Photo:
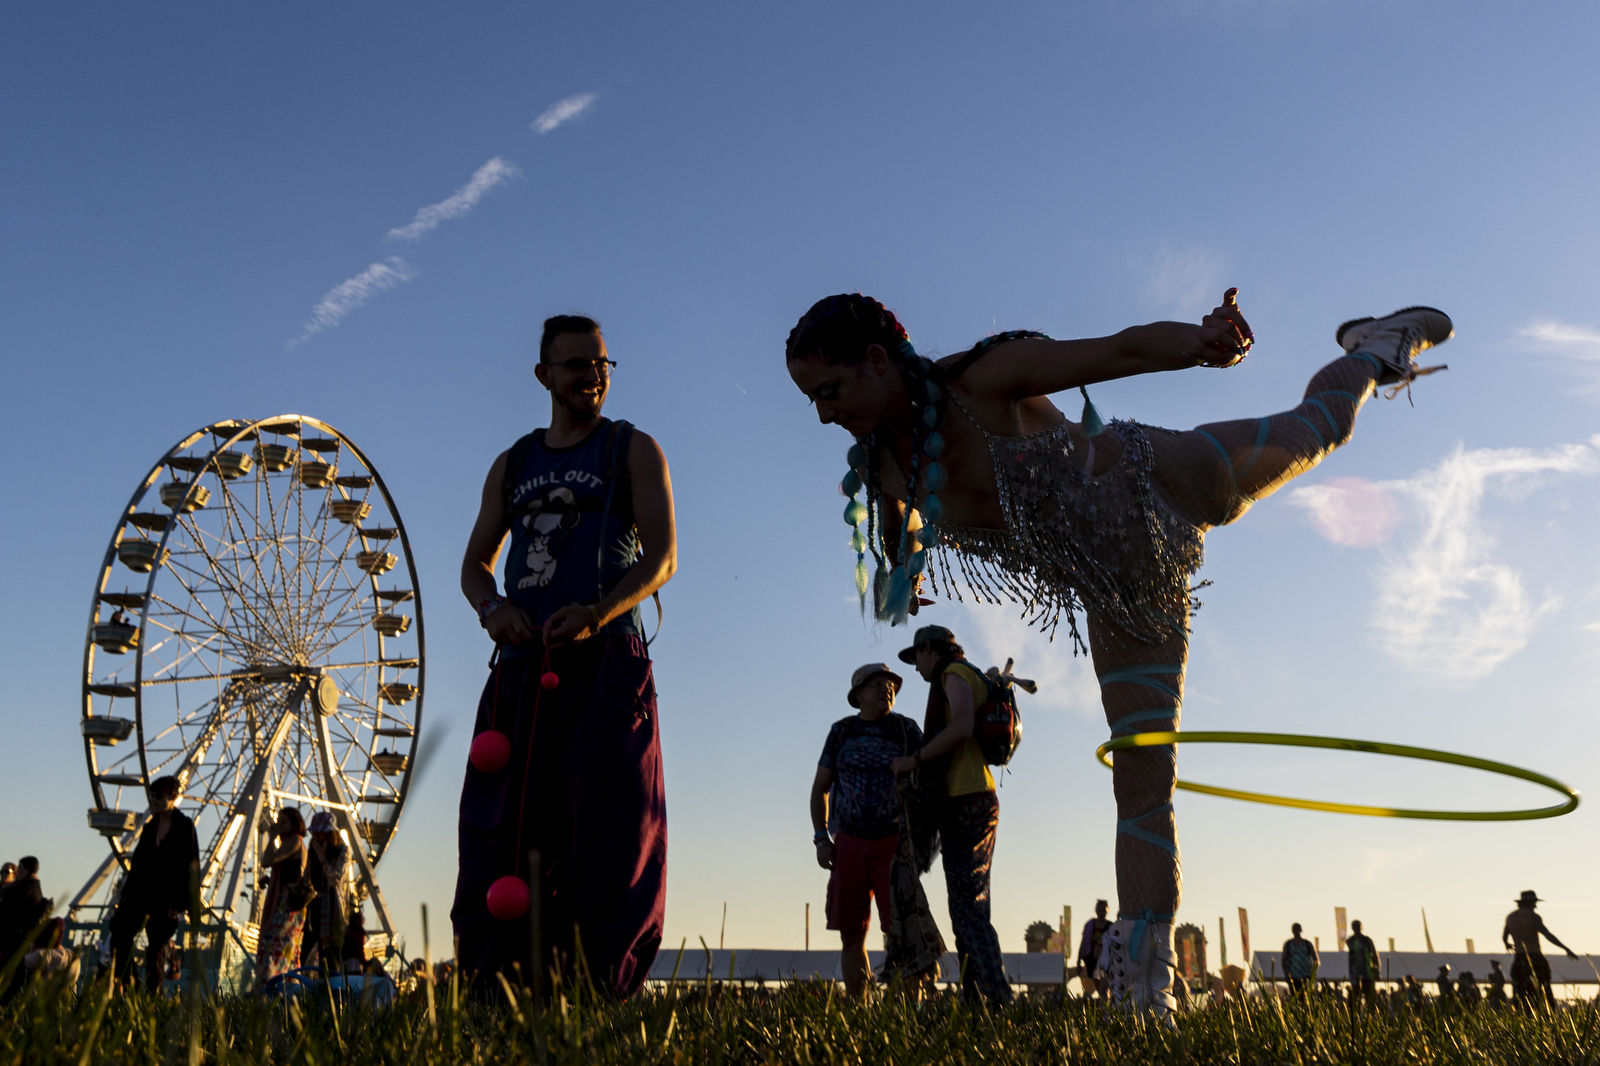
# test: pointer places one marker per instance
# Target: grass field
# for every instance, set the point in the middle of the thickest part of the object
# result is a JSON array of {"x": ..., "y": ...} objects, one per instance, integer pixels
[{"x": 798, "y": 1024}]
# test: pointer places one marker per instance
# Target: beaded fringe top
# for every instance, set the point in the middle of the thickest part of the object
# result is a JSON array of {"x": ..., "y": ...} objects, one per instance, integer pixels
[{"x": 1076, "y": 542}]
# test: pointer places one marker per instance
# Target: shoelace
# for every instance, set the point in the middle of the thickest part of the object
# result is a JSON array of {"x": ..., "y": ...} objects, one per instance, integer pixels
[{"x": 1413, "y": 374}]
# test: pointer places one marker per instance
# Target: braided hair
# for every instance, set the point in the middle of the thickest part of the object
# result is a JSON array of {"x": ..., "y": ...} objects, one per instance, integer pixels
[{"x": 839, "y": 330}]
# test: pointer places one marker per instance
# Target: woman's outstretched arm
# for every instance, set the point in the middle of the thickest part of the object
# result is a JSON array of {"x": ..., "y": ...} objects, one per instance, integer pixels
[{"x": 1032, "y": 367}]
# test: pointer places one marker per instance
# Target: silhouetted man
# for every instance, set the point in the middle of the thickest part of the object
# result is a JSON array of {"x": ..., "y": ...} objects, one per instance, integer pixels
[
  {"x": 1362, "y": 959},
  {"x": 587, "y": 505},
  {"x": 1530, "y": 970},
  {"x": 156, "y": 892},
  {"x": 1300, "y": 960}
]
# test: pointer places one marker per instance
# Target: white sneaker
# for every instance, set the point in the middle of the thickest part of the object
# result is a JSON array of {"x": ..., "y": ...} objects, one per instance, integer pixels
[
  {"x": 1140, "y": 973},
  {"x": 1396, "y": 340}
]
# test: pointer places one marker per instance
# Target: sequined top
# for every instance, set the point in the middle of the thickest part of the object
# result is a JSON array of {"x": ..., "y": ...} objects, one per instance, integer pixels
[{"x": 1073, "y": 541}]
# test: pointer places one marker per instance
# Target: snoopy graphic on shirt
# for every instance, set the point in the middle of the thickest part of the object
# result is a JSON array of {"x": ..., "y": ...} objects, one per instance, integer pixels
[{"x": 549, "y": 518}]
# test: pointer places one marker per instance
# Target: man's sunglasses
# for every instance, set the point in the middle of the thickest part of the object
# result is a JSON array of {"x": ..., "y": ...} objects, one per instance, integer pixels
[{"x": 603, "y": 367}]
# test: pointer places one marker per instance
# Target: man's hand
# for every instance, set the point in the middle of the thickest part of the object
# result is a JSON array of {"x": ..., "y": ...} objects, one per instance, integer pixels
[
  {"x": 1571, "y": 954},
  {"x": 1225, "y": 337},
  {"x": 825, "y": 854},
  {"x": 903, "y": 764},
  {"x": 572, "y": 623},
  {"x": 510, "y": 624}
]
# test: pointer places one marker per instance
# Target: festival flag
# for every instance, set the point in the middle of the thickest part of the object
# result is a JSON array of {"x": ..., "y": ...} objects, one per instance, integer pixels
[
  {"x": 1426, "y": 937},
  {"x": 1340, "y": 925},
  {"x": 1244, "y": 936},
  {"x": 1222, "y": 941}
]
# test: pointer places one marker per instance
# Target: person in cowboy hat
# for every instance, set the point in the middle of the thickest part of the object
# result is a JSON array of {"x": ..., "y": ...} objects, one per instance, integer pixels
[
  {"x": 969, "y": 816},
  {"x": 864, "y": 812},
  {"x": 1530, "y": 970}
]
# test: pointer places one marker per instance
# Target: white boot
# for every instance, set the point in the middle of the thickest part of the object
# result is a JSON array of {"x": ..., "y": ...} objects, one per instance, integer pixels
[
  {"x": 1396, "y": 340},
  {"x": 1138, "y": 960}
]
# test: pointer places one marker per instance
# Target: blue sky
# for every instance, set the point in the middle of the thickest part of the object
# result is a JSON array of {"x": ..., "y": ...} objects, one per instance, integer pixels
[{"x": 185, "y": 186}]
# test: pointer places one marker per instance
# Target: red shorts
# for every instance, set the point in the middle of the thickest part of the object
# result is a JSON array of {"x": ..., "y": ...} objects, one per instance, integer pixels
[{"x": 860, "y": 871}]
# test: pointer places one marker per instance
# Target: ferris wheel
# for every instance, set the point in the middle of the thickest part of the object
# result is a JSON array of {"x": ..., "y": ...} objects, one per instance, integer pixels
[{"x": 256, "y": 632}]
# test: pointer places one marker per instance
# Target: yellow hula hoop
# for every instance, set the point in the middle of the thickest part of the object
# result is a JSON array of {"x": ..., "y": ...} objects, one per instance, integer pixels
[{"x": 1297, "y": 740}]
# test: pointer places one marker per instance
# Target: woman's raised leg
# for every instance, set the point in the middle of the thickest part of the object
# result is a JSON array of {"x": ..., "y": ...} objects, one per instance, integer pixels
[{"x": 1214, "y": 472}]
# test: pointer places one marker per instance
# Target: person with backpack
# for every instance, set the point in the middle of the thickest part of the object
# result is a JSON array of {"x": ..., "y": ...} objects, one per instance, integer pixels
[
  {"x": 566, "y": 754},
  {"x": 968, "y": 809},
  {"x": 854, "y": 795}
]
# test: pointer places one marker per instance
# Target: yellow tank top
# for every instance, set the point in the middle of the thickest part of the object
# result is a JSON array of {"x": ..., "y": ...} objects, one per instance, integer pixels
[{"x": 968, "y": 772}]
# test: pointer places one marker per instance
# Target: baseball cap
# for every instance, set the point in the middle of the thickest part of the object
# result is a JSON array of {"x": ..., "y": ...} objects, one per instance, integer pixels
[{"x": 923, "y": 635}]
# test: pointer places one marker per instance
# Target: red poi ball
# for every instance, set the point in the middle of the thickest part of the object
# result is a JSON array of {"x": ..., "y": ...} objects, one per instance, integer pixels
[
  {"x": 490, "y": 751},
  {"x": 550, "y": 680},
  {"x": 508, "y": 898}
]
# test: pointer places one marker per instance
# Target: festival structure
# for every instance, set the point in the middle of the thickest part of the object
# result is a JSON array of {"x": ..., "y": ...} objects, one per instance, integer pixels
[{"x": 256, "y": 631}]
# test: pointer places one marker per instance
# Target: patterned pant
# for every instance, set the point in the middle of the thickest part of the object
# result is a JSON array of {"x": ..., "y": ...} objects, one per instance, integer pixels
[{"x": 967, "y": 834}]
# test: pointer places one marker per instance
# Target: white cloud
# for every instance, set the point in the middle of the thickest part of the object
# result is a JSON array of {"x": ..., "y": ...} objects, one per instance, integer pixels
[
  {"x": 1351, "y": 511},
  {"x": 495, "y": 172},
  {"x": 1446, "y": 608},
  {"x": 563, "y": 111},
  {"x": 353, "y": 292},
  {"x": 1578, "y": 344},
  {"x": 1185, "y": 282}
]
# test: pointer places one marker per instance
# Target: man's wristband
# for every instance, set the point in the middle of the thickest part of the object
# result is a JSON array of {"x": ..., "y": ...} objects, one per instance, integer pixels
[
  {"x": 487, "y": 606},
  {"x": 821, "y": 837},
  {"x": 595, "y": 615}
]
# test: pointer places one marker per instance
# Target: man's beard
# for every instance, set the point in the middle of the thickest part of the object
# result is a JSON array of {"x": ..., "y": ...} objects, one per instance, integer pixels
[{"x": 583, "y": 408}]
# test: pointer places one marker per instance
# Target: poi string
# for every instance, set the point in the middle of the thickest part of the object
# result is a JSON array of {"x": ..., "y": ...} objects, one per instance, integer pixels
[{"x": 1404, "y": 751}]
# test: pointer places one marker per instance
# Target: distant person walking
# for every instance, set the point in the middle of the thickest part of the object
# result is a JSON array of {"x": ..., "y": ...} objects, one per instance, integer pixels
[
  {"x": 864, "y": 812},
  {"x": 970, "y": 811},
  {"x": 1467, "y": 990},
  {"x": 1496, "y": 996},
  {"x": 157, "y": 892},
  {"x": 1362, "y": 961},
  {"x": 1530, "y": 970},
  {"x": 587, "y": 506},
  {"x": 1091, "y": 945},
  {"x": 283, "y": 911},
  {"x": 1300, "y": 961},
  {"x": 1446, "y": 986}
]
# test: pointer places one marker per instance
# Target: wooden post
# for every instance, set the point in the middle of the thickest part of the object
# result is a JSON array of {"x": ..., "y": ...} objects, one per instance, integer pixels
[
  {"x": 722, "y": 937},
  {"x": 808, "y": 927}
]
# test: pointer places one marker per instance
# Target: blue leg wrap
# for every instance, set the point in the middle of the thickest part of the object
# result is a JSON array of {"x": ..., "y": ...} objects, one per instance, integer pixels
[{"x": 1140, "y": 920}]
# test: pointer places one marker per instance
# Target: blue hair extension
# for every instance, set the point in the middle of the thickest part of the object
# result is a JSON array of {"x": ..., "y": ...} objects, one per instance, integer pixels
[{"x": 1093, "y": 424}]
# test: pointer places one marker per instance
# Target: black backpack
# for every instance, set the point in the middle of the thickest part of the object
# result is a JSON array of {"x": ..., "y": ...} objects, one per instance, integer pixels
[{"x": 998, "y": 728}]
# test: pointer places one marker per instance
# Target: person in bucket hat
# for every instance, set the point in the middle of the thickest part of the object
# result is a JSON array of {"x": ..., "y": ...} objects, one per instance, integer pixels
[
  {"x": 853, "y": 795},
  {"x": 1530, "y": 970},
  {"x": 969, "y": 811}
]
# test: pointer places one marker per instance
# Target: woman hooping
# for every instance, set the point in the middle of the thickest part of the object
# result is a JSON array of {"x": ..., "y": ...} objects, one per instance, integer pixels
[{"x": 1011, "y": 501}]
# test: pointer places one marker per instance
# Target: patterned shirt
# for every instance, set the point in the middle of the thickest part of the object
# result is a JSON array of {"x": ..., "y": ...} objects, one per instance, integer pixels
[
  {"x": 858, "y": 752},
  {"x": 1299, "y": 958}
]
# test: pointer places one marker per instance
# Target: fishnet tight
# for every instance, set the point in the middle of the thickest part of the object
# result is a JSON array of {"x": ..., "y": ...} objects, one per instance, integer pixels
[{"x": 1142, "y": 680}]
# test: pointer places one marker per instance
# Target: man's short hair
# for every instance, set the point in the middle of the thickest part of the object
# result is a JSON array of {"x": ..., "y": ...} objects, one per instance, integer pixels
[
  {"x": 29, "y": 863},
  {"x": 556, "y": 325},
  {"x": 1295, "y": 928},
  {"x": 166, "y": 786}
]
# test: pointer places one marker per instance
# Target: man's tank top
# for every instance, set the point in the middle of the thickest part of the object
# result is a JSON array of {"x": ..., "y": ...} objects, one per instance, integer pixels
[{"x": 568, "y": 543}]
